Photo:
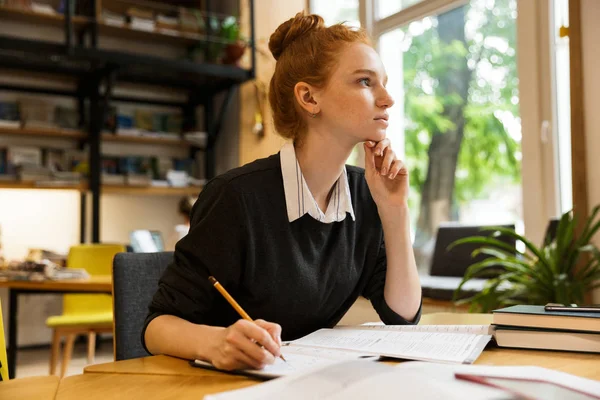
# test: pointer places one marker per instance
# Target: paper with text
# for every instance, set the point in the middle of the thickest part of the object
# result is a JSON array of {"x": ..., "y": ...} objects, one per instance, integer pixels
[
  {"x": 459, "y": 348},
  {"x": 299, "y": 359}
]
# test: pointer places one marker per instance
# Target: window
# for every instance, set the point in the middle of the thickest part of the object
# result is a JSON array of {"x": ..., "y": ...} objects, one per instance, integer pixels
[
  {"x": 336, "y": 11},
  {"x": 385, "y": 8},
  {"x": 455, "y": 77},
  {"x": 453, "y": 71},
  {"x": 562, "y": 104}
]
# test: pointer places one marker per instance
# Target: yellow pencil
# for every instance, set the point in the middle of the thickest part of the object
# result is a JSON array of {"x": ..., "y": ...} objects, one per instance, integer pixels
[{"x": 233, "y": 303}]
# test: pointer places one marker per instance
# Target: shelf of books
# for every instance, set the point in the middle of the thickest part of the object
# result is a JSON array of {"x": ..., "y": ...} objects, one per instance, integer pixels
[
  {"x": 108, "y": 137},
  {"x": 81, "y": 187},
  {"x": 151, "y": 190},
  {"x": 106, "y": 189},
  {"x": 39, "y": 14},
  {"x": 43, "y": 132}
]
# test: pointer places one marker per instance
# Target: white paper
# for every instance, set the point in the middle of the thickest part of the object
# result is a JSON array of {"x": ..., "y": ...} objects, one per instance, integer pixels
[
  {"x": 363, "y": 380},
  {"x": 300, "y": 359},
  {"x": 425, "y": 346},
  {"x": 359, "y": 380},
  {"x": 475, "y": 329}
]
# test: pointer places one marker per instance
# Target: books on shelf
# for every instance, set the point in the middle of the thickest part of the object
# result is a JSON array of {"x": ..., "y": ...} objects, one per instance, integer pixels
[
  {"x": 531, "y": 327},
  {"x": 10, "y": 116},
  {"x": 113, "y": 19}
]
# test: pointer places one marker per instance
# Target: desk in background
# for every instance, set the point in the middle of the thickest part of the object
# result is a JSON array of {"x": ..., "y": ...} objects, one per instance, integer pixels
[{"x": 96, "y": 284}]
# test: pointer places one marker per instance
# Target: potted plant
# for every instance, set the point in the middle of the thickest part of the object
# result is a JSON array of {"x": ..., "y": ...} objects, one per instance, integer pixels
[
  {"x": 561, "y": 270},
  {"x": 235, "y": 44}
]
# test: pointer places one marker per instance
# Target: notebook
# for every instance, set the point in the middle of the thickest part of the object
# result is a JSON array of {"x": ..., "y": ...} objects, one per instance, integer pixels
[
  {"x": 455, "y": 344},
  {"x": 547, "y": 339},
  {"x": 537, "y": 317}
]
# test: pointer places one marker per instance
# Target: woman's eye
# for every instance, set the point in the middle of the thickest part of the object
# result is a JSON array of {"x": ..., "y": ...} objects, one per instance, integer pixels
[{"x": 365, "y": 81}]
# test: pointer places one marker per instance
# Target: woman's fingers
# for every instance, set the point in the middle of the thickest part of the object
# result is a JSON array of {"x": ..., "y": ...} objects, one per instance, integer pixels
[
  {"x": 249, "y": 342},
  {"x": 388, "y": 158},
  {"x": 396, "y": 168},
  {"x": 273, "y": 329},
  {"x": 381, "y": 146}
]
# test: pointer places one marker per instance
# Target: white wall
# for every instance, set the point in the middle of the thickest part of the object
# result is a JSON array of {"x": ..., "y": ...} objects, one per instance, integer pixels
[{"x": 590, "y": 32}]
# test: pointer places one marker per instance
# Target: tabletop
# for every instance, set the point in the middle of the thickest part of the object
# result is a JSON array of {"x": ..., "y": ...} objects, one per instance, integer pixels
[{"x": 33, "y": 388}]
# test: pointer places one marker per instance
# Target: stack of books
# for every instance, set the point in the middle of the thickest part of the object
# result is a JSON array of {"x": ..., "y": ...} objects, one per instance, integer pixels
[
  {"x": 531, "y": 327},
  {"x": 10, "y": 116},
  {"x": 140, "y": 19}
]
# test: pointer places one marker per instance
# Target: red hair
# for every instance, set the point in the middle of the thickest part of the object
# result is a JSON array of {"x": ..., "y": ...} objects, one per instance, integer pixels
[{"x": 306, "y": 51}]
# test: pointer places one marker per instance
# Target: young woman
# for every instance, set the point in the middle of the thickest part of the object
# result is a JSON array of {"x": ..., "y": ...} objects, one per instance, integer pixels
[{"x": 298, "y": 236}]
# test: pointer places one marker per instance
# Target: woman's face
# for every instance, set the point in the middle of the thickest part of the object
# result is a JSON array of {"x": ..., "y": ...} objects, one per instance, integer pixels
[{"x": 353, "y": 104}]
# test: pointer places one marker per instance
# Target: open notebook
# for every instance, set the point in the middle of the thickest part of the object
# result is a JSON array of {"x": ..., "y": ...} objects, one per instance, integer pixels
[{"x": 454, "y": 344}]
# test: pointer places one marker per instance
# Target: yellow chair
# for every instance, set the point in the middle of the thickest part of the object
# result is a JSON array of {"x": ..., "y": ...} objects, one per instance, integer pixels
[
  {"x": 84, "y": 313},
  {"x": 3, "y": 358}
]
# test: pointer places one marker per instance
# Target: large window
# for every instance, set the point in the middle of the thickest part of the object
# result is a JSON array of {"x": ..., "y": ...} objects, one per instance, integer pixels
[{"x": 457, "y": 119}]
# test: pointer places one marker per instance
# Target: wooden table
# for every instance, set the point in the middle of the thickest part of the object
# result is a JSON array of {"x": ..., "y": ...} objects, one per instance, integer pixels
[
  {"x": 149, "y": 373},
  {"x": 34, "y": 388},
  {"x": 96, "y": 284},
  {"x": 146, "y": 387}
]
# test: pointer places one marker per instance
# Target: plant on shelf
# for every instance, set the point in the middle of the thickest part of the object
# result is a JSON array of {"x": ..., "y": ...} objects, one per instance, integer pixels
[
  {"x": 236, "y": 45},
  {"x": 225, "y": 44},
  {"x": 562, "y": 270}
]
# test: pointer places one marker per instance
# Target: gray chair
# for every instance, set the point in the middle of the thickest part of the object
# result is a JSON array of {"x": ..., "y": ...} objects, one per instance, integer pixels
[{"x": 135, "y": 280}]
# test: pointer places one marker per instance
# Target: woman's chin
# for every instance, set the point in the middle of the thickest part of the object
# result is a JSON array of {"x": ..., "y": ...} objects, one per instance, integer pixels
[{"x": 377, "y": 136}]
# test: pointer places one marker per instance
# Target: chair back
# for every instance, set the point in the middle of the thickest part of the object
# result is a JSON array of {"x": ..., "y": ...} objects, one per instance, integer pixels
[
  {"x": 3, "y": 358},
  {"x": 135, "y": 280},
  {"x": 456, "y": 261},
  {"x": 96, "y": 259}
]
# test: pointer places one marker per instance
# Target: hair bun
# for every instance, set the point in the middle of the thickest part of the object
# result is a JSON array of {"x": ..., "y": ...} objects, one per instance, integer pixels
[{"x": 291, "y": 30}]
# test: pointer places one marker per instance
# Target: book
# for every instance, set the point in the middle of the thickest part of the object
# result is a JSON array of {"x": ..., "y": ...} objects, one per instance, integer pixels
[
  {"x": 357, "y": 379},
  {"x": 537, "y": 317},
  {"x": 455, "y": 344},
  {"x": 547, "y": 339}
]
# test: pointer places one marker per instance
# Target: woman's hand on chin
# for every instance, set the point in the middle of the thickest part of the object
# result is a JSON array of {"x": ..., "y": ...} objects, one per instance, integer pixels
[{"x": 387, "y": 176}]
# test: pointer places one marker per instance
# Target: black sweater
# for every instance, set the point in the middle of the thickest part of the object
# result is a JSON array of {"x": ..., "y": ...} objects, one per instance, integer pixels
[{"x": 303, "y": 275}]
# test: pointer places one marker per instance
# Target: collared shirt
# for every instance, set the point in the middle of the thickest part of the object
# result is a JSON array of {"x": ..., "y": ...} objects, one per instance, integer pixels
[{"x": 298, "y": 198}]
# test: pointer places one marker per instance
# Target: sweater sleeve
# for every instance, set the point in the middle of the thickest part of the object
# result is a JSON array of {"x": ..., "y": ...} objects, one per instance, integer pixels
[
  {"x": 214, "y": 246},
  {"x": 374, "y": 292}
]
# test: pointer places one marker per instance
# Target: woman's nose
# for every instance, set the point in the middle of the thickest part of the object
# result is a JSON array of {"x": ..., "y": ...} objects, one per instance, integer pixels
[{"x": 385, "y": 100}]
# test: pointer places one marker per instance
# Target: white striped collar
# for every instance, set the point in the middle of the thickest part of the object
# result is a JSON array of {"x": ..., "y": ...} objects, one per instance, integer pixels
[{"x": 298, "y": 198}]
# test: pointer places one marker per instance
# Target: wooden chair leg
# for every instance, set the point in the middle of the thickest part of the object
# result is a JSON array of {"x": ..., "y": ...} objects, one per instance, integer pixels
[
  {"x": 67, "y": 353},
  {"x": 54, "y": 350},
  {"x": 91, "y": 347}
]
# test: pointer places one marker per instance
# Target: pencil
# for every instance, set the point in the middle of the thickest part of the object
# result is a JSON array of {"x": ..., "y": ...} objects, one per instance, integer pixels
[{"x": 233, "y": 303}]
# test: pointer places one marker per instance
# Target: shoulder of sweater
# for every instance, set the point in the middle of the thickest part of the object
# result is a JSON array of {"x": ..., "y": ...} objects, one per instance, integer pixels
[{"x": 247, "y": 175}]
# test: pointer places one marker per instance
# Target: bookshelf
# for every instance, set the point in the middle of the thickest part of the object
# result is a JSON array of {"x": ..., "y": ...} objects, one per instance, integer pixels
[
  {"x": 108, "y": 189},
  {"x": 109, "y": 137},
  {"x": 20, "y": 15},
  {"x": 98, "y": 70},
  {"x": 81, "y": 187},
  {"x": 151, "y": 191},
  {"x": 43, "y": 132}
]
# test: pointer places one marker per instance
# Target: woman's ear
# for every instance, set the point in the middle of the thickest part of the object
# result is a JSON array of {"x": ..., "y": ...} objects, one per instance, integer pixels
[{"x": 305, "y": 96}]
